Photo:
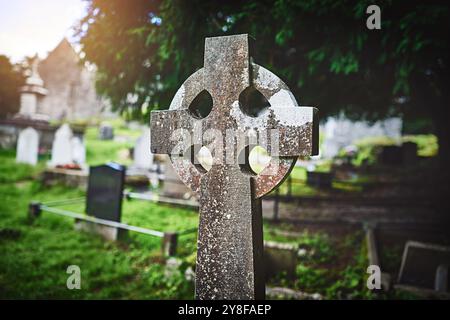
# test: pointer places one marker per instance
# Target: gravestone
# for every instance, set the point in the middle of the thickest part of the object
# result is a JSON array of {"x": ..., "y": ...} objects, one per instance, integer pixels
[
  {"x": 143, "y": 159},
  {"x": 319, "y": 179},
  {"x": 172, "y": 186},
  {"x": 421, "y": 263},
  {"x": 28, "y": 146},
  {"x": 392, "y": 155},
  {"x": 399, "y": 155},
  {"x": 230, "y": 238},
  {"x": 78, "y": 151},
  {"x": 280, "y": 258},
  {"x": 409, "y": 153},
  {"x": 104, "y": 199},
  {"x": 106, "y": 132},
  {"x": 340, "y": 132},
  {"x": 62, "y": 146}
]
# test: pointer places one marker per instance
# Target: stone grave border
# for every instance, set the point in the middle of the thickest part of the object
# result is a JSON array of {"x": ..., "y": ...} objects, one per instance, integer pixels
[{"x": 169, "y": 239}]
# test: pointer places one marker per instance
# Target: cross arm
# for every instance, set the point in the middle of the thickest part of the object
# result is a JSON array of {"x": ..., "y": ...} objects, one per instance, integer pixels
[
  {"x": 172, "y": 131},
  {"x": 295, "y": 128}
]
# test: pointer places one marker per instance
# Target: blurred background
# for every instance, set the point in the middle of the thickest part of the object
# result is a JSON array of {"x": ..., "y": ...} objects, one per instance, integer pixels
[{"x": 79, "y": 78}]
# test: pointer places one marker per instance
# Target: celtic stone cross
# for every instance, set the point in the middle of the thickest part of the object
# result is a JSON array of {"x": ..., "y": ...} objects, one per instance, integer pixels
[{"x": 230, "y": 236}]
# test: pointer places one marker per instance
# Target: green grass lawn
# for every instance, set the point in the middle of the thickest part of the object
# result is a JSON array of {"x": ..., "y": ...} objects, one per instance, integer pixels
[{"x": 34, "y": 256}]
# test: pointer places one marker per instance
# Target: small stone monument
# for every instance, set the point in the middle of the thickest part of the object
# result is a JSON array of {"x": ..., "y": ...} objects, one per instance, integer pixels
[
  {"x": 32, "y": 92},
  {"x": 28, "y": 146},
  {"x": 78, "y": 151},
  {"x": 230, "y": 236},
  {"x": 106, "y": 132},
  {"x": 172, "y": 186},
  {"x": 62, "y": 146},
  {"x": 143, "y": 159}
]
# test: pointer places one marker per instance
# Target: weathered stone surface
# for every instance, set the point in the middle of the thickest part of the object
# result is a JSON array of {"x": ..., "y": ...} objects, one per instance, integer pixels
[{"x": 230, "y": 244}]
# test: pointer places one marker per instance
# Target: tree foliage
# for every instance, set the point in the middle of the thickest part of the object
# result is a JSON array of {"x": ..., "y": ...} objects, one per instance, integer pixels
[
  {"x": 322, "y": 49},
  {"x": 11, "y": 80}
]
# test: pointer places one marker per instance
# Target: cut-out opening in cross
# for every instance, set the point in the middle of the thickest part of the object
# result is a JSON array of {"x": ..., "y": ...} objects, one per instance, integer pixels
[
  {"x": 247, "y": 158},
  {"x": 252, "y": 102}
]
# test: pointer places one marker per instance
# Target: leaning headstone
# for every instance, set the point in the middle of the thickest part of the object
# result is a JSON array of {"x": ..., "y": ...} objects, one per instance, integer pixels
[
  {"x": 62, "y": 146},
  {"x": 409, "y": 153},
  {"x": 142, "y": 157},
  {"x": 280, "y": 258},
  {"x": 78, "y": 151},
  {"x": 230, "y": 238},
  {"x": 104, "y": 199},
  {"x": 420, "y": 264},
  {"x": 28, "y": 146},
  {"x": 319, "y": 179},
  {"x": 106, "y": 132}
]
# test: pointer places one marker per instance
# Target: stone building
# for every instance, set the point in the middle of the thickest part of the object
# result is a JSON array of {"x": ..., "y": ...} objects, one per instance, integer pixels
[
  {"x": 70, "y": 86},
  {"x": 57, "y": 88}
]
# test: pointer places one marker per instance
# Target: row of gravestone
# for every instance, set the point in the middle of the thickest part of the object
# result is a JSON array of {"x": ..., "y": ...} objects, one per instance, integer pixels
[
  {"x": 66, "y": 148},
  {"x": 70, "y": 149}
]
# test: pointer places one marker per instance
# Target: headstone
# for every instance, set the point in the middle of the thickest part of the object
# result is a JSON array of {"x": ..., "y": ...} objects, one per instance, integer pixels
[
  {"x": 340, "y": 132},
  {"x": 142, "y": 157},
  {"x": 106, "y": 132},
  {"x": 78, "y": 151},
  {"x": 28, "y": 146},
  {"x": 230, "y": 240},
  {"x": 62, "y": 146},
  {"x": 420, "y": 264},
  {"x": 105, "y": 191},
  {"x": 392, "y": 155},
  {"x": 172, "y": 186},
  {"x": 104, "y": 199},
  {"x": 319, "y": 179},
  {"x": 409, "y": 152},
  {"x": 280, "y": 258}
]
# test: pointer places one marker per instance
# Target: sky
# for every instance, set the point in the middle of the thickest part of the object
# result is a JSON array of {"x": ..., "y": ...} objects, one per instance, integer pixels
[{"x": 28, "y": 27}]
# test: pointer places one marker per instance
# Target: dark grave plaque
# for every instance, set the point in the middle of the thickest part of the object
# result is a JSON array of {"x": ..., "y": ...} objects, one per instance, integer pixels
[
  {"x": 420, "y": 264},
  {"x": 392, "y": 155},
  {"x": 105, "y": 191},
  {"x": 319, "y": 179}
]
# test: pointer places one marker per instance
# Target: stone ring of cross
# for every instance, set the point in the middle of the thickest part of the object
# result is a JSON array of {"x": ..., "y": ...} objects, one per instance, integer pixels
[
  {"x": 230, "y": 244},
  {"x": 295, "y": 125}
]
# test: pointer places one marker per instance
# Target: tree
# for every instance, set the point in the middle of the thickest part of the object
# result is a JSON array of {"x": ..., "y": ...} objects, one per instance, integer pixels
[
  {"x": 11, "y": 80},
  {"x": 321, "y": 48}
]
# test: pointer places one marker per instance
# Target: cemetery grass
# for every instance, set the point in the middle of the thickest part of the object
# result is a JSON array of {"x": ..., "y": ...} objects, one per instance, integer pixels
[{"x": 34, "y": 256}]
